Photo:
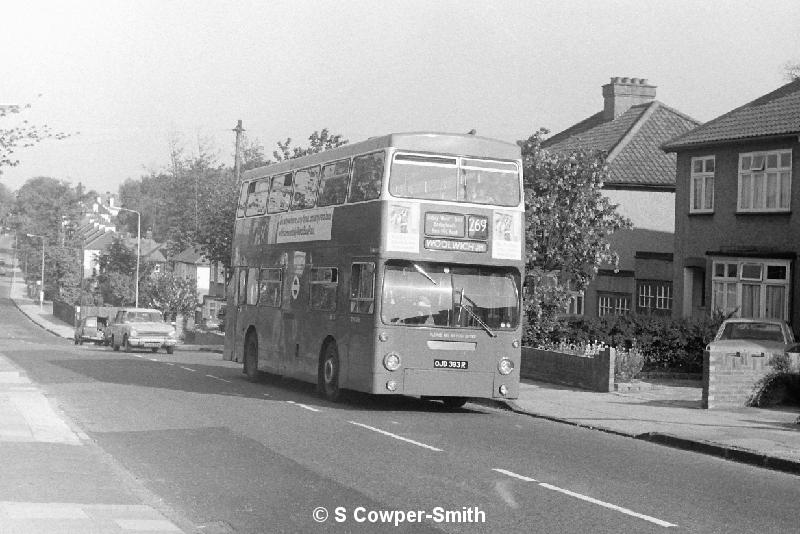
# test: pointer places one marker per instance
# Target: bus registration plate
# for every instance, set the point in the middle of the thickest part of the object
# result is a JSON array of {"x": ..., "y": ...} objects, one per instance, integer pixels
[{"x": 450, "y": 364}]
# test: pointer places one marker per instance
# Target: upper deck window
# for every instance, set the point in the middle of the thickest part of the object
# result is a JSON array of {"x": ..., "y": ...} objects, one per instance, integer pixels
[
  {"x": 305, "y": 188},
  {"x": 455, "y": 179},
  {"x": 280, "y": 194},
  {"x": 367, "y": 177},
  {"x": 257, "y": 197},
  {"x": 333, "y": 183}
]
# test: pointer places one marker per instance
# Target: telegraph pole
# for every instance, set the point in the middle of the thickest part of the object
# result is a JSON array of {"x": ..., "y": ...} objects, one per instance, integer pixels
[{"x": 237, "y": 159}]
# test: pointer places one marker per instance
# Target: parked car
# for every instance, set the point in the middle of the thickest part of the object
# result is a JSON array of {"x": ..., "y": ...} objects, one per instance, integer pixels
[
  {"x": 142, "y": 328},
  {"x": 753, "y": 336},
  {"x": 90, "y": 328}
]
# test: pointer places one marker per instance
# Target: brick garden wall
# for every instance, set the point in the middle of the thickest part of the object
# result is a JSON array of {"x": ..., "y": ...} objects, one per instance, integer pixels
[
  {"x": 595, "y": 373},
  {"x": 729, "y": 378}
]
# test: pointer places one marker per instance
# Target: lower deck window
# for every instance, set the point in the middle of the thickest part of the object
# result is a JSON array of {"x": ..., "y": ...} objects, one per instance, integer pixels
[{"x": 324, "y": 283}]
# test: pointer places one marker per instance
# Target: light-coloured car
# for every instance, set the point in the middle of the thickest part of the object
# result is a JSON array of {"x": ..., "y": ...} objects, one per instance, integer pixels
[
  {"x": 142, "y": 328},
  {"x": 753, "y": 336}
]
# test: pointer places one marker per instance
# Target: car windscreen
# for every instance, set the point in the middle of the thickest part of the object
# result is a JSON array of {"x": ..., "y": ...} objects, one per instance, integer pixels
[
  {"x": 754, "y": 331},
  {"x": 144, "y": 317},
  {"x": 91, "y": 322}
]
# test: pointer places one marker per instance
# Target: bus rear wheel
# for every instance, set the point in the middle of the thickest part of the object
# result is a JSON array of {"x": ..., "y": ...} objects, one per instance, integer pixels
[
  {"x": 454, "y": 402},
  {"x": 251, "y": 357},
  {"x": 328, "y": 380}
]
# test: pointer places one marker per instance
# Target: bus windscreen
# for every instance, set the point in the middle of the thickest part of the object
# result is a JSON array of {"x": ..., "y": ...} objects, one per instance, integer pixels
[
  {"x": 455, "y": 179},
  {"x": 431, "y": 294}
]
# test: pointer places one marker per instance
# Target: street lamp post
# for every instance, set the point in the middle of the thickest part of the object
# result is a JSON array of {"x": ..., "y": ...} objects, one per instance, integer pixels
[
  {"x": 41, "y": 290},
  {"x": 138, "y": 245}
]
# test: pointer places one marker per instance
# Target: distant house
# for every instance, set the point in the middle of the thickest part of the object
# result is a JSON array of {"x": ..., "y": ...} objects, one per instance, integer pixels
[
  {"x": 191, "y": 263},
  {"x": 630, "y": 130},
  {"x": 738, "y": 211}
]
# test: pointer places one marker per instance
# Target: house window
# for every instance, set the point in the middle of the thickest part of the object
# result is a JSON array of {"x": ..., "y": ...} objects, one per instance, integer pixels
[
  {"x": 654, "y": 297},
  {"x": 613, "y": 304},
  {"x": 362, "y": 287},
  {"x": 574, "y": 303},
  {"x": 269, "y": 287},
  {"x": 701, "y": 195},
  {"x": 324, "y": 281},
  {"x": 765, "y": 181},
  {"x": 751, "y": 288}
]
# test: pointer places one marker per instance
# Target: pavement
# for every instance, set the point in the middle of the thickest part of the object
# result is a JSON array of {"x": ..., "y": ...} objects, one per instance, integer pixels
[{"x": 667, "y": 412}]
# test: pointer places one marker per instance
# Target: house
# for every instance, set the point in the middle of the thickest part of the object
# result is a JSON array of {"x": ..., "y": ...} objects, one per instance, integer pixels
[
  {"x": 191, "y": 263},
  {"x": 737, "y": 208},
  {"x": 630, "y": 130}
]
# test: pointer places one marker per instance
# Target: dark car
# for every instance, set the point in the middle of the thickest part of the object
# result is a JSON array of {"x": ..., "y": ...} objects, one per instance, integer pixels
[{"x": 91, "y": 329}]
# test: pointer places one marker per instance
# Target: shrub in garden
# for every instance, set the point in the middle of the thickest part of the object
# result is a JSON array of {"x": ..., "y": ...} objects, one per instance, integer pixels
[
  {"x": 665, "y": 344},
  {"x": 780, "y": 386}
]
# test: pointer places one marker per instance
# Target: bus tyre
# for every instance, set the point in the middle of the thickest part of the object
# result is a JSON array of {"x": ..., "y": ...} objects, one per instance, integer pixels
[
  {"x": 329, "y": 373},
  {"x": 454, "y": 402},
  {"x": 250, "y": 357}
]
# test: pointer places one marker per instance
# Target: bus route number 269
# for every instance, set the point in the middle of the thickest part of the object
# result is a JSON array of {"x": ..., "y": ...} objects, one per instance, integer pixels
[{"x": 450, "y": 364}]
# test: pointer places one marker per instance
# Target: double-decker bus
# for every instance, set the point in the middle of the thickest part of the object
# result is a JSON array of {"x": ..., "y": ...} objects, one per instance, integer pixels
[{"x": 389, "y": 266}]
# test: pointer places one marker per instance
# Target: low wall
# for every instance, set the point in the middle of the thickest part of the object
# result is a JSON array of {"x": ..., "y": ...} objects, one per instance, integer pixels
[
  {"x": 193, "y": 337},
  {"x": 595, "y": 373},
  {"x": 729, "y": 378}
]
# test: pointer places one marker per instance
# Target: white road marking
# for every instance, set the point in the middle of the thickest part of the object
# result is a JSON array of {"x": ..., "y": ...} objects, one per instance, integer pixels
[
  {"x": 153, "y": 359},
  {"x": 395, "y": 436},
  {"x": 307, "y": 407},
  {"x": 592, "y": 500},
  {"x": 218, "y": 378},
  {"x": 514, "y": 475},
  {"x": 186, "y": 368},
  {"x": 266, "y": 394},
  {"x": 167, "y": 363}
]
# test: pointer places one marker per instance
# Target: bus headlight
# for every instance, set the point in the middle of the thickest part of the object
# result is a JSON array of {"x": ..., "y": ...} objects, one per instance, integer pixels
[
  {"x": 515, "y": 343},
  {"x": 391, "y": 385},
  {"x": 503, "y": 390},
  {"x": 391, "y": 361},
  {"x": 505, "y": 366}
]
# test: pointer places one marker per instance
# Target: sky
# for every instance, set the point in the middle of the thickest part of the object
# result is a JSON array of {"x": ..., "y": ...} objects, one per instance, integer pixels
[{"x": 128, "y": 78}]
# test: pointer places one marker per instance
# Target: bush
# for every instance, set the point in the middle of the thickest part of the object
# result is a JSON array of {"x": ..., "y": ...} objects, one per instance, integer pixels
[
  {"x": 628, "y": 364},
  {"x": 665, "y": 344}
]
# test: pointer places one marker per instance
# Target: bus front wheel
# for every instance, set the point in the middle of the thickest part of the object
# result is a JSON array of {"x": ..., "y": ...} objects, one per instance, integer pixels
[
  {"x": 251, "y": 357},
  {"x": 329, "y": 373}
]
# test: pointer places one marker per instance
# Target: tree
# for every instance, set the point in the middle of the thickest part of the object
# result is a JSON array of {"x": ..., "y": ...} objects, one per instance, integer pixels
[
  {"x": 172, "y": 294},
  {"x": 317, "y": 142},
  {"x": 792, "y": 70},
  {"x": 215, "y": 234},
  {"x": 21, "y": 135},
  {"x": 568, "y": 223}
]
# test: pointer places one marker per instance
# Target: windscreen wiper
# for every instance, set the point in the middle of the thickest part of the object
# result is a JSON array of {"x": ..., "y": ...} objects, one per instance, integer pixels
[
  {"x": 473, "y": 314},
  {"x": 421, "y": 271}
]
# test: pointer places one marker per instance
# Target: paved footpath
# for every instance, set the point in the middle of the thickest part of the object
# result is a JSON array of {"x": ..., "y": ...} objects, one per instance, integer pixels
[{"x": 53, "y": 478}]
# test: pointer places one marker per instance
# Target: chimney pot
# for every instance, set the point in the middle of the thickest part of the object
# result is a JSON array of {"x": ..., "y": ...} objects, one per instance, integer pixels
[{"x": 624, "y": 92}]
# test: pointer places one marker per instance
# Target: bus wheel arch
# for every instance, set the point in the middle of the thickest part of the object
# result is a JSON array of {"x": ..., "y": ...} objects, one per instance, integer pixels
[
  {"x": 251, "y": 354},
  {"x": 329, "y": 371}
]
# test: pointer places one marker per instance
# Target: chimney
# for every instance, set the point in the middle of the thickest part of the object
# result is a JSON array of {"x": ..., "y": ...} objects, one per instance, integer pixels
[{"x": 622, "y": 93}]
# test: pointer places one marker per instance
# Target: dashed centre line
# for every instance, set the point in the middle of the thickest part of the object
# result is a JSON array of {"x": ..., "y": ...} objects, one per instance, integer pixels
[
  {"x": 306, "y": 406},
  {"x": 586, "y": 498},
  {"x": 218, "y": 378},
  {"x": 395, "y": 436},
  {"x": 187, "y": 368}
]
